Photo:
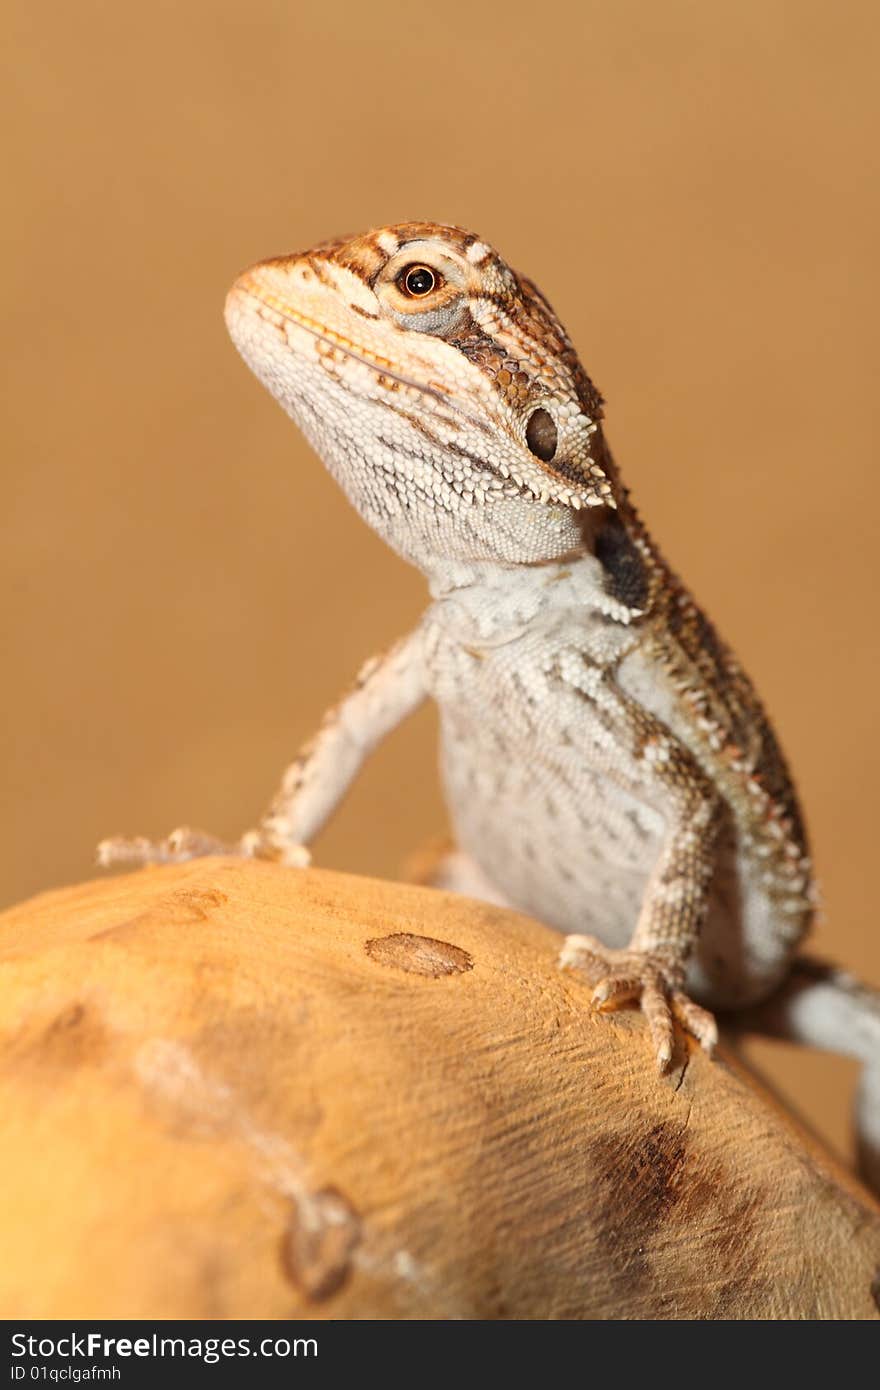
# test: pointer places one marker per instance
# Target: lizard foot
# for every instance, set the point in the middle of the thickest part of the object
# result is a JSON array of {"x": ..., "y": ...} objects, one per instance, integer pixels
[
  {"x": 184, "y": 843},
  {"x": 622, "y": 976}
]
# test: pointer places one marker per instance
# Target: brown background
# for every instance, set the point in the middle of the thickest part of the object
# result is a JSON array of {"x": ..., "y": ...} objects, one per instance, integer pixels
[{"x": 183, "y": 590}]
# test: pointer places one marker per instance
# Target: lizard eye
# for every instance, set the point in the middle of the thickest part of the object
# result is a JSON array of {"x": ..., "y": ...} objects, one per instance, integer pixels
[
  {"x": 541, "y": 435},
  {"x": 415, "y": 281}
]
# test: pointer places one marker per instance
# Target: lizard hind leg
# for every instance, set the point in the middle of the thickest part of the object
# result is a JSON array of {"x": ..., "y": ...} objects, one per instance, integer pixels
[{"x": 825, "y": 1007}]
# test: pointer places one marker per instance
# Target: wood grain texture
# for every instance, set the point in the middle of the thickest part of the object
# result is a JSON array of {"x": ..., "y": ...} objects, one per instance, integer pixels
[{"x": 234, "y": 1090}]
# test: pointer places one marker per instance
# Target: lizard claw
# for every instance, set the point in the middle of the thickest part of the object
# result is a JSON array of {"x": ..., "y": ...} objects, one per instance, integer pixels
[
  {"x": 185, "y": 843},
  {"x": 622, "y": 976}
]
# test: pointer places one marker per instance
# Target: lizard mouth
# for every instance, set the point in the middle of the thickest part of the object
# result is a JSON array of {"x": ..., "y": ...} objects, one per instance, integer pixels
[
  {"x": 250, "y": 297},
  {"x": 277, "y": 312}
]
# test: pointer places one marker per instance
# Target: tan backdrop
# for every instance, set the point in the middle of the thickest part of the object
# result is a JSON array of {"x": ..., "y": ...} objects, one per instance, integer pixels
[{"x": 183, "y": 590}]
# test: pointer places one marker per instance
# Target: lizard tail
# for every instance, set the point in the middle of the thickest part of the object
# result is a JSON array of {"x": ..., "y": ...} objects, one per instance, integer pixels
[{"x": 824, "y": 1006}]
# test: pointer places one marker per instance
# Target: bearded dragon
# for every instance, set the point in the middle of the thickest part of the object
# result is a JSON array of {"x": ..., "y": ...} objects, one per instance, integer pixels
[{"x": 608, "y": 765}]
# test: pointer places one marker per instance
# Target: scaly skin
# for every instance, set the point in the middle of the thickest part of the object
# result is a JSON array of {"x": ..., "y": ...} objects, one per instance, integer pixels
[{"x": 608, "y": 765}]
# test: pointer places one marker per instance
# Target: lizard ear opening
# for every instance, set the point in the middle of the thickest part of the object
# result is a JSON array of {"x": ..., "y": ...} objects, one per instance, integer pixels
[{"x": 541, "y": 434}]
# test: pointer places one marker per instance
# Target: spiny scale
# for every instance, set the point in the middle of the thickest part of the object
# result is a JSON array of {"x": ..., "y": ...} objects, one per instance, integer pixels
[{"x": 608, "y": 766}]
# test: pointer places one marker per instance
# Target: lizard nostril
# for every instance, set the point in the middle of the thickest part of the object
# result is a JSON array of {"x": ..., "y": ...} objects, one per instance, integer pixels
[{"x": 541, "y": 435}]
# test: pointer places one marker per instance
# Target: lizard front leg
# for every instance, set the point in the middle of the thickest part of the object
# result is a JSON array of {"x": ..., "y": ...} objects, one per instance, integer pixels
[
  {"x": 388, "y": 688},
  {"x": 639, "y": 752}
]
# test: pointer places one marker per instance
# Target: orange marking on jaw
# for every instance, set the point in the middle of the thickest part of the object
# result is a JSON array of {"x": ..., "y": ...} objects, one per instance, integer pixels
[{"x": 281, "y": 306}]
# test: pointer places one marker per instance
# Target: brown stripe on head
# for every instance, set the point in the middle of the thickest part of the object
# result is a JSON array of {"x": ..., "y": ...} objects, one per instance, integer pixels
[
  {"x": 457, "y": 238},
  {"x": 363, "y": 255},
  {"x": 366, "y": 255},
  {"x": 540, "y": 323}
]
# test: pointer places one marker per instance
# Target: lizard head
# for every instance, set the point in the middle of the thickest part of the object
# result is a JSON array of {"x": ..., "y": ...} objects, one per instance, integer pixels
[{"x": 437, "y": 385}]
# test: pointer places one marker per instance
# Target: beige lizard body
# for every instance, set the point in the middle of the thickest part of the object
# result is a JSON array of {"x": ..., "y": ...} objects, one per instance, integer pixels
[{"x": 608, "y": 766}]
